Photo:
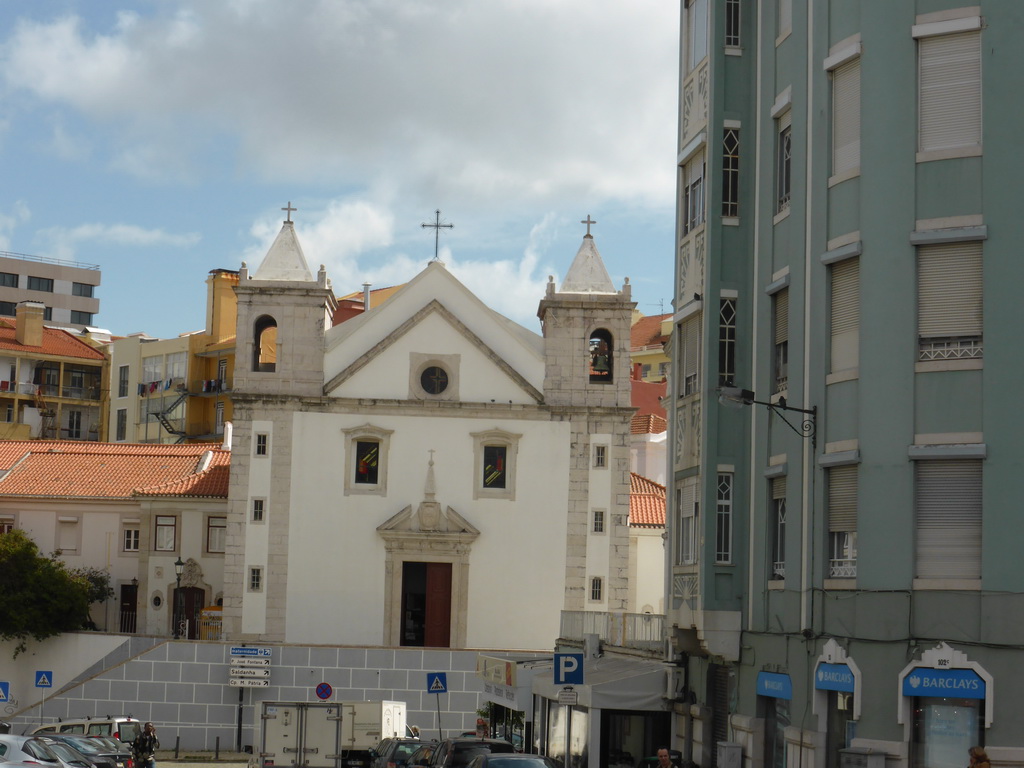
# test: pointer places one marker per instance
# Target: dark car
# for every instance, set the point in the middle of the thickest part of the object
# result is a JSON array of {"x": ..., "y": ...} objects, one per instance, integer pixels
[
  {"x": 394, "y": 752},
  {"x": 515, "y": 760},
  {"x": 457, "y": 753},
  {"x": 69, "y": 756},
  {"x": 421, "y": 757},
  {"x": 98, "y": 751}
]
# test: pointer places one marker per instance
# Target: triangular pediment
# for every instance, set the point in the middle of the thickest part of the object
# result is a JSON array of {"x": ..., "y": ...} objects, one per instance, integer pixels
[{"x": 428, "y": 520}]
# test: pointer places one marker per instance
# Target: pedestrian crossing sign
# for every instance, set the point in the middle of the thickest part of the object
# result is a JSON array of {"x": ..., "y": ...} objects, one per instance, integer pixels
[
  {"x": 5, "y": 691},
  {"x": 437, "y": 682},
  {"x": 44, "y": 678}
]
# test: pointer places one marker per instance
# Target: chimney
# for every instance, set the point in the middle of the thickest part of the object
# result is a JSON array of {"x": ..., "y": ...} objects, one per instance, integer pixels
[
  {"x": 366, "y": 297},
  {"x": 29, "y": 315}
]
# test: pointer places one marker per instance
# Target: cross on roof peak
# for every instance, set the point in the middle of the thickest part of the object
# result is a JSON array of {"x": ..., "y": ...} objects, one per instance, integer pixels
[
  {"x": 289, "y": 209},
  {"x": 588, "y": 221}
]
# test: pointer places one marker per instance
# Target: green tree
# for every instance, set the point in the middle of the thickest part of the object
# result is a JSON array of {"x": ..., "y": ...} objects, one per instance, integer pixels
[
  {"x": 98, "y": 580},
  {"x": 39, "y": 596}
]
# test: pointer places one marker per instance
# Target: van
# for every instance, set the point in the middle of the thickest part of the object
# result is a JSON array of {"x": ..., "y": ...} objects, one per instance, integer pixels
[{"x": 123, "y": 728}]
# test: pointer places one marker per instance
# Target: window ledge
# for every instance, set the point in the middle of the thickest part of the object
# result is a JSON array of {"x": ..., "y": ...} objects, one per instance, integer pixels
[
  {"x": 373, "y": 490},
  {"x": 730, "y": 221},
  {"x": 835, "y": 584},
  {"x": 781, "y": 215},
  {"x": 839, "y": 178},
  {"x": 733, "y": 50},
  {"x": 948, "y": 154},
  {"x": 850, "y": 374},
  {"x": 971, "y": 585},
  {"x": 970, "y": 364},
  {"x": 782, "y": 36},
  {"x": 776, "y": 585}
]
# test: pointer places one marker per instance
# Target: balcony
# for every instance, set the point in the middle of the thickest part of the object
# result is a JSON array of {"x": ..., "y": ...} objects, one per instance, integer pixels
[{"x": 644, "y": 631}]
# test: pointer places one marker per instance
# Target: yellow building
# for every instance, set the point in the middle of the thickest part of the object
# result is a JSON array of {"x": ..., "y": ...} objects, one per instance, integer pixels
[{"x": 648, "y": 347}]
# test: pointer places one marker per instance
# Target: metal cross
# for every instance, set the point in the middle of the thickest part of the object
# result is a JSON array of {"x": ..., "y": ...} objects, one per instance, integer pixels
[
  {"x": 588, "y": 221},
  {"x": 437, "y": 226},
  {"x": 290, "y": 209}
]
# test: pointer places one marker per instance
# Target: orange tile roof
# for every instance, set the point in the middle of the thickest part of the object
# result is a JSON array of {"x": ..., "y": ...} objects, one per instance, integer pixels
[
  {"x": 70, "y": 469},
  {"x": 646, "y": 502},
  {"x": 646, "y": 397},
  {"x": 646, "y": 332},
  {"x": 56, "y": 342},
  {"x": 647, "y": 424}
]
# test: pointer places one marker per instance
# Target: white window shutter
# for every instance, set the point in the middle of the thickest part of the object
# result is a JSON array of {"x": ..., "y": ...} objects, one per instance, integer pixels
[
  {"x": 782, "y": 316},
  {"x": 948, "y": 512},
  {"x": 845, "y": 317},
  {"x": 950, "y": 298},
  {"x": 846, "y": 117},
  {"x": 842, "y": 498},
  {"x": 949, "y": 101}
]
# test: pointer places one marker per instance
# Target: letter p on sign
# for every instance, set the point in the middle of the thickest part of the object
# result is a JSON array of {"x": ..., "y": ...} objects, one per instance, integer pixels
[{"x": 568, "y": 669}]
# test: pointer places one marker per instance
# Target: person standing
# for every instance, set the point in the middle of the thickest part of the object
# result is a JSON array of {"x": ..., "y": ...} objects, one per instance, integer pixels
[
  {"x": 978, "y": 758},
  {"x": 665, "y": 758},
  {"x": 145, "y": 746}
]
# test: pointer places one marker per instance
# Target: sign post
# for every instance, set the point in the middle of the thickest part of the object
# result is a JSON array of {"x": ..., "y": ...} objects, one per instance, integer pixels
[
  {"x": 568, "y": 668},
  {"x": 44, "y": 680},
  {"x": 437, "y": 682}
]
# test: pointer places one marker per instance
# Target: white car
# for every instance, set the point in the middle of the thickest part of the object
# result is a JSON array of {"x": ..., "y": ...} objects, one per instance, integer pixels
[{"x": 27, "y": 749}]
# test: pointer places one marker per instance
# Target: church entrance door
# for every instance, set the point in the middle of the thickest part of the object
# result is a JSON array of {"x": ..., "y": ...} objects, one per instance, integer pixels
[{"x": 426, "y": 604}]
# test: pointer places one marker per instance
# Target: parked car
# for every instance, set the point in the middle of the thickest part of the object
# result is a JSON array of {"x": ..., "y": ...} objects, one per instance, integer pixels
[
  {"x": 457, "y": 753},
  {"x": 421, "y": 757},
  {"x": 99, "y": 750},
  {"x": 122, "y": 728},
  {"x": 124, "y": 756},
  {"x": 394, "y": 752},
  {"x": 69, "y": 756},
  {"x": 515, "y": 760},
  {"x": 27, "y": 749}
]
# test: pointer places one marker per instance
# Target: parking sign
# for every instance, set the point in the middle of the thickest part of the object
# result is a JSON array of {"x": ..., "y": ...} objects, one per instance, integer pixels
[{"x": 568, "y": 669}]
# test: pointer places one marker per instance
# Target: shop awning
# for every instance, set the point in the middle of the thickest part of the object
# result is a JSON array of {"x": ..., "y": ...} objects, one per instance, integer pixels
[{"x": 613, "y": 683}]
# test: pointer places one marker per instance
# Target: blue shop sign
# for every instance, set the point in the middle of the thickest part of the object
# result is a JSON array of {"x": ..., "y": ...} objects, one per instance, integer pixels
[
  {"x": 834, "y": 677},
  {"x": 775, "y": 685},
  {"x": 944, "y": 683}
]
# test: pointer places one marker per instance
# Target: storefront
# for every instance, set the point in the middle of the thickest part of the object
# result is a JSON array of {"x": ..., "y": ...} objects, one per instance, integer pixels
[
  {"x": 945, "y": 707},
  {"x": 508, "y": 684},
  {"x": 837, "y": 697},
  {"x": 774, "y": 692}
]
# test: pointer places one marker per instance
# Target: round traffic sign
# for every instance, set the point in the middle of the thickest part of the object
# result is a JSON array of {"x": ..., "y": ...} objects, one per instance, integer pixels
[{"x": 324, "y": 691}]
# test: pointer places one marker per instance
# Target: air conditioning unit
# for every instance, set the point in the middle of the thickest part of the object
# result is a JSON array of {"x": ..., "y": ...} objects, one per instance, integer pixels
[
  {"x": 730, "y": 755},
  {"x": 860, "y": 757}
]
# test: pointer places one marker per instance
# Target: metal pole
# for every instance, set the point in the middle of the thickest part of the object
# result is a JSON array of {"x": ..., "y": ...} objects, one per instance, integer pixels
[
  {"x": 440, "y": 736},
  {"x": 177, "y": 610}
]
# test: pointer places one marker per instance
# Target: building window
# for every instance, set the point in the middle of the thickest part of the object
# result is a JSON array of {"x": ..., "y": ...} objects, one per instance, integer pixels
[
  {"x": 602, "y": 360},
  {"x": 434, "y": 380},
  {"x": 255, "y": 579},
  {"x": 844, "y": 314},
  {"x": 731, "y": 172},
  {"x": 598, "y": 521},
  {"x": 781, "y": 353},
  {"x": 366, "y": 454},
  {"x": 687, "y": 508},
  {"x": 166, "y": 533},
  {"x": 218, "y": 418},
  {"x": 262, "y": 443},
  {"x": 74, "y": 425},
  {"x": 122, "y": 381},
  {"x": 662, "y": 369},
  {"x": 949, "y": 97},
  {"x": 131, "y": 539},
  {"x": 846, "y": 118},
  {"x": 726, "y": 342},
  {"x": 48, "y": 314},
  {"x": 67, "y": 534},
  {"x": 367, "y": 461},
  {"x": 122, "y": 425},
  {"x": 693, "y": 193},
  {"x": 723, "y": 520},
  {"x": 948, "y": 512},
  {"x": 785, "y": 17},
  {"x": 6, "y": 524},
  {"x": 783, "y": 161},
  {"x": 689, "y": 340},
  {"x": 495, "y": 464},
  {"x": 8, "y": 309},
  {"x": 216, "y": 534},
  {"x": 645, "y": 370},
  {"x": 696, "y": 20},
  {"x": 596, "y": 589},
  {"x": 258, "y": 510},
  {"x": 40, "y": 284},
  {"x": 778, "y": 528},
  {"x": 732, "y": 23},
  {"x": 152, "y": 368},
  {"x": 842, "y": 522},
  {"x": 222, "y": 372},
  {"x": 264, "y": 344},
  {"x": 8, "y": 280},
  {"x": 600, "y": 456},
  {"x": 949, "y": 301},
  {"x": 81, "y": 289}
]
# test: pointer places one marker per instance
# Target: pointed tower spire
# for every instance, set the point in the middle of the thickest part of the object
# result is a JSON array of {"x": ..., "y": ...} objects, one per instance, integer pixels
[
  {"x": 587, "y": 274},
  {"x": 285, "y": 260}
]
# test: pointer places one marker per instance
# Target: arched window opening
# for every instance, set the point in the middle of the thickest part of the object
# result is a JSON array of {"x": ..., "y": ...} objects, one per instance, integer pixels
[
  {"x": 264, "y": 347},
  {"x": 601, "y": 356}
]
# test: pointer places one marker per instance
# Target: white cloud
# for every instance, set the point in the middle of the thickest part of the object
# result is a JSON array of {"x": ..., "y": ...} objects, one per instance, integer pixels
[
  {"x": 9, "y": 221},
  {"x": 63, "y": 242}
]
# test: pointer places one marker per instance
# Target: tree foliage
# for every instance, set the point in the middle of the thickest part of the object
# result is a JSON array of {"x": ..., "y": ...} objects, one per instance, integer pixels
[
  {"x": 98, "y": 581},
  {"x": 39, "y": 596}
]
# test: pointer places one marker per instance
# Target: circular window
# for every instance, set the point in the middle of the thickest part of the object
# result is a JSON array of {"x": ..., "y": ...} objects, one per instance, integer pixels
[{"x": 434, "y": 380}]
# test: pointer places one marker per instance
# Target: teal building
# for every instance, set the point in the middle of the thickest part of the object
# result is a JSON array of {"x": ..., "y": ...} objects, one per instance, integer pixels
[{"x": 846, "y": 578}]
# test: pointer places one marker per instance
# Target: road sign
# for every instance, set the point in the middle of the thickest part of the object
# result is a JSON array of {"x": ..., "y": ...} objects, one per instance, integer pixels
[
  {"x": 437, "y": 682},
  {"x": 44, "y": 678},
  {"x": 249, "y": 671},
  {"x": 244, "y": 650},
  {"x": 567, "y": 696},
  {"x": 249, "y": 682},
  {"x": 568, "y": 669},
  {"x": 250, "y": 661},
  {"x": 5, "y": 691},
  {"x": 324, "y": 691}
]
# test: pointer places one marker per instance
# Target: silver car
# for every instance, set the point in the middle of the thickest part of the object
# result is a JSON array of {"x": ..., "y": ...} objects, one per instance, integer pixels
[{"x": 27, "y": 749}]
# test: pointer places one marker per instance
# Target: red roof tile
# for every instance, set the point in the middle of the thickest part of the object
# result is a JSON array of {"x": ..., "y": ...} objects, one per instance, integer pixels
[
  {"x": 56, "y": 342},
  {"x": 647, "y": 424},
  {"x": 646, "y": 332},
  {"x": 646, "y": 397},
  {"x": 646, "y": 502}
]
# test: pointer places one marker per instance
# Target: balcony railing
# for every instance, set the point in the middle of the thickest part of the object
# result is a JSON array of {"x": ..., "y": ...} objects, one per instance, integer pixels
[{"x": 627, "y": 630}]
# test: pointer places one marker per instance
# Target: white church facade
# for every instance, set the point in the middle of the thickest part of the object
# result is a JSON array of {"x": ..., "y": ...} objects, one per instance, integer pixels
[{"x": 429, "y": 473}]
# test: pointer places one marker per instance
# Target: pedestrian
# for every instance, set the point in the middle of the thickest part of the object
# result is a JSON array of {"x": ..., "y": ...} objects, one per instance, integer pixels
[
  {"x": 665, "y": 759},
  {"x": 145, "y": 746},
  {"x": 978, "y": 758}
]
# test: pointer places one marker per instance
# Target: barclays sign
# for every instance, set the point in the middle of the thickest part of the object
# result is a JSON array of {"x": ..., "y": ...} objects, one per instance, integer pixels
[
  {"x": 834, "y": 677},
  {"x": 944, "y": 683}
]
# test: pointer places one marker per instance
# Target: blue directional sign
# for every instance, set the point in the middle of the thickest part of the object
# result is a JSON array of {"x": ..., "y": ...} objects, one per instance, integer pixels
[
  {"x": 437, "y": 682},
  {"x": 44, "y": 678},
  {"x": 568, "y": 669},
  {"x": 5, "y": 691}
]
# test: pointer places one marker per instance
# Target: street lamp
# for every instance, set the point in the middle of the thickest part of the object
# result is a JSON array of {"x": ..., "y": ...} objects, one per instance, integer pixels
[
  {"x": 179, "y": 566},
  {"x": 735, "y": 396}
]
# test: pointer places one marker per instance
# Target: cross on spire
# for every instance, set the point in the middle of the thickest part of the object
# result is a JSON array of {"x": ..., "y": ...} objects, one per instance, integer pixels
[
  {"x": 588, "y": 221},
  {"x": 289, "y": 209},
  {"x": 437, "y": 226}
]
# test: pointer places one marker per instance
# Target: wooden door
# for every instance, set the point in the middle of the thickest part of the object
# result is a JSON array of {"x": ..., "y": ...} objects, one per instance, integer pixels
[{"x": 438, "y": 620}]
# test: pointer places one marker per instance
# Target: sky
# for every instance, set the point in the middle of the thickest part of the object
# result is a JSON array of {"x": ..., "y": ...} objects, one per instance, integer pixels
[{"x": 161, "y": 139}]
